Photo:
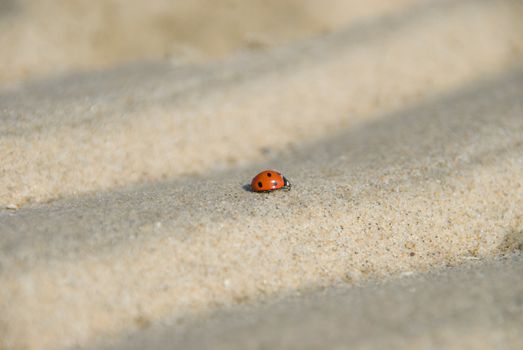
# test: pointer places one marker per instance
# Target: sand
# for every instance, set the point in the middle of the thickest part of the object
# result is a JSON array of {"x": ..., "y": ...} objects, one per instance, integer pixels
[
  {"x": 48, "y": 36},
  {"x": 475, "y": 306},
  {"x": 157, "y": 121},
  {"x": 402, "y": 136}
]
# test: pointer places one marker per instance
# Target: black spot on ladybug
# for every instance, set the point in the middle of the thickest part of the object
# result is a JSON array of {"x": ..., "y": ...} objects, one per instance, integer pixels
[
  {"x": 260, "y": 185},
  {"x": 269, "y": 174}
]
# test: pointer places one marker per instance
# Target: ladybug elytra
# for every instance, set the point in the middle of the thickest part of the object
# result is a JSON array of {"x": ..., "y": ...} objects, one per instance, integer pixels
[{"x": 269, "y": 180}]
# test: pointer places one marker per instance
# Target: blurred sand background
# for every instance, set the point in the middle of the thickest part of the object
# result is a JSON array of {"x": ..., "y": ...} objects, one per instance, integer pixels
[
  {"x": 54, "y": 36},
  {"x": 475, "y": 306},
  {"x": 129, "y": 129}
]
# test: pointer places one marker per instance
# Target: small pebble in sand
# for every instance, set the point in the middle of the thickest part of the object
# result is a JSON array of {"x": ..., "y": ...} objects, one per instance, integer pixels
[
  {"x": 11, "y": 206},
  {"x": 269, "y": 180}
]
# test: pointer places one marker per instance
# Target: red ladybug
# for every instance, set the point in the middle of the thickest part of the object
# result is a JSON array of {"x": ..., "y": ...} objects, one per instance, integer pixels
[{"x": 269, "y": 180}]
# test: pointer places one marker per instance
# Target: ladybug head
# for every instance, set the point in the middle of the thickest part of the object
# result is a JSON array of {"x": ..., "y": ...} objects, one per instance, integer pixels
[{"x": 286, "y": 182}]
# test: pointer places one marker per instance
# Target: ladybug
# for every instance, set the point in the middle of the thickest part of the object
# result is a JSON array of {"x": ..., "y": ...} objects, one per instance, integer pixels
[{"x": 269, "y": 180}]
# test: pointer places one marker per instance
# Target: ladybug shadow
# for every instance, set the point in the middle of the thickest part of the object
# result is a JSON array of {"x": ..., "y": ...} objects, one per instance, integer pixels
[{"x": 247, "y": 188}]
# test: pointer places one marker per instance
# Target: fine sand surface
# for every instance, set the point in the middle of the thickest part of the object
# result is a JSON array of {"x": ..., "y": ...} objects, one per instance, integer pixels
[{"x": 402, "y": 136}]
